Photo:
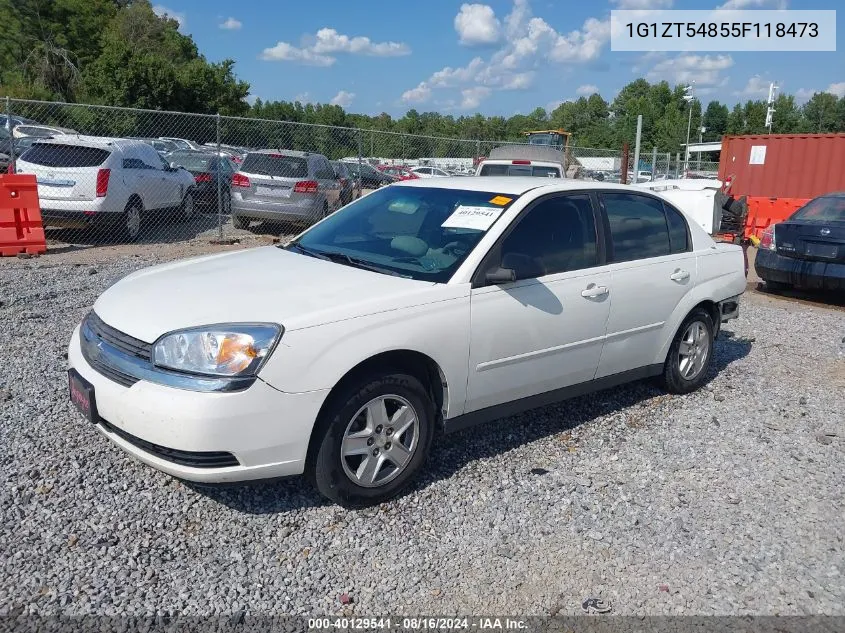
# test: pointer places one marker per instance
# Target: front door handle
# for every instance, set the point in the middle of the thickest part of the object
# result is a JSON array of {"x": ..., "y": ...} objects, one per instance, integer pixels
[
  {"x": 593, "y": 291},
  {"x": 679, "y": 275}
]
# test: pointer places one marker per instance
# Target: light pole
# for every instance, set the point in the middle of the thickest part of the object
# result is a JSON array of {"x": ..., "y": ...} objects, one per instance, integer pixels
[
  {"x": 701, "y": 132},
  {"x": 689, "y": 97}
]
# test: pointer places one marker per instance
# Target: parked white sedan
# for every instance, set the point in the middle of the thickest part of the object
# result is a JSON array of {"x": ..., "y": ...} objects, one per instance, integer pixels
[{"x": 426, "y": 304}]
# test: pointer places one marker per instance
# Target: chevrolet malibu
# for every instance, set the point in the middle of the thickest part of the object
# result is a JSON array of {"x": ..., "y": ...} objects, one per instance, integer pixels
[{"x": 429, "y": 304}]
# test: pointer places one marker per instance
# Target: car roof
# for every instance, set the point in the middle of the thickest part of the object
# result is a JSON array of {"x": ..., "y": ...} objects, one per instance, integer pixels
[
  {"x": 101, "y": 142},
  {"x": 283, "y": 152},
  {"x": 516, "y": 185}
]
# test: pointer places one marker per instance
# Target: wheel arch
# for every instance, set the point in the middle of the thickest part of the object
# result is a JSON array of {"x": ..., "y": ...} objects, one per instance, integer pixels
[{"x": 415, "y": 363}]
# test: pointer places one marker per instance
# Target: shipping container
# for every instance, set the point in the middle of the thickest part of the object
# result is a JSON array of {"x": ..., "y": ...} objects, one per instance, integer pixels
[
  {"x": 783, "y": 165},
  {"x": 779, "y": 173}
]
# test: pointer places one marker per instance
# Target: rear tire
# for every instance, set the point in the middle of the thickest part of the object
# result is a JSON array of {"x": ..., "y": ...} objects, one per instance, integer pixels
[
  {"x": 130, "y": 226},
  {"x": 186, "y": 209},
  {"x": 240, "y": 222},
  {"x": 690, "y": 354},
  {"x": 371, "y": 439}
]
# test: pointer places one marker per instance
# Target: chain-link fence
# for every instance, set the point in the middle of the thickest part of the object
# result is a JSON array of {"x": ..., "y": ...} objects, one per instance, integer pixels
[{"x": 108, "y": 174}]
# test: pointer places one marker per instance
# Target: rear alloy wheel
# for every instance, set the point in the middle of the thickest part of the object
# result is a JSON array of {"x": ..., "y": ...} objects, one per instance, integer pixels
[
  {"x": 131, "y": 226},
  {"x": 689, "y": 357},
  {"x": 187, "y": 207},
  {"x": 240, "y": 222},
  {"x": 372, "y": 439},
  {"x": 226, "y": 208}
]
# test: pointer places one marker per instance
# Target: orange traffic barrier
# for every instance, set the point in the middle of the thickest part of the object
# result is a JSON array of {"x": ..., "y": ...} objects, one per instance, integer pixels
[
  {"x": 763, "y": 212},
  {"x": 21, "y": 229}
]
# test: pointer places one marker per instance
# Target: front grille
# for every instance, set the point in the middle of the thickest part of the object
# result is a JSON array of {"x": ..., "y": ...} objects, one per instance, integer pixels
[
  {"x": 203, "y": 459},
  {"x": 95, "y": 332},
  {"x": 117, "y": 339}
]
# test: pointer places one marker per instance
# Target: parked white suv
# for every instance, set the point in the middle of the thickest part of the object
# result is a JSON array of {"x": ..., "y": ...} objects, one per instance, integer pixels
[
  {"x": 425, "y": 304},
  {"x": 91, "y": 180}
]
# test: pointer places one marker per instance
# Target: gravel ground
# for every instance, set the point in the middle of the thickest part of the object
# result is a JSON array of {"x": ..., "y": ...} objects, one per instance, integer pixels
[{"x": 726, "y": 501}]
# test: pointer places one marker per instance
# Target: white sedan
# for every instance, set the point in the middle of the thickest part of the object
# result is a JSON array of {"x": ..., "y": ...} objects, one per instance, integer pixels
[{"x": 425, "y": 304}]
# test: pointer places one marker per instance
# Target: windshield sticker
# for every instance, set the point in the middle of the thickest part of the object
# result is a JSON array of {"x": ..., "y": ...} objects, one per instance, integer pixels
[
  {"x": 500, "y": 200},
  {"x": 469, "y": 217}
]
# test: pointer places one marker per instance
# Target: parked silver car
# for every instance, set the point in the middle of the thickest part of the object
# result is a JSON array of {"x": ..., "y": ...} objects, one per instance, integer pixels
[{"x": 283, "y": 186}]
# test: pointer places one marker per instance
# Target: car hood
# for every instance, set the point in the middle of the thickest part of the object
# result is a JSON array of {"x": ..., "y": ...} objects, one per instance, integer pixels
[{"x": 267, "y": 285}]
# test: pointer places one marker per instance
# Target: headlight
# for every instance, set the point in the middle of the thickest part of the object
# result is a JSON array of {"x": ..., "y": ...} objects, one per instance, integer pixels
[{"x": 230, "y": 349}]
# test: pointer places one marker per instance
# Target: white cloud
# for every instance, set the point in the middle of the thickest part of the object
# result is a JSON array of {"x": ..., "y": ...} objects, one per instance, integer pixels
[
  {"x": 705, "y": 70},
  {"x": 251, "y": 99},
  {"x": 231, "y": 24},
  {"x": 837, "y": 89},
  {"x": 754, "y": 4},
  {"x": 529, "y": 43},
  {"x": 343, "y": 99},
  {"x": 420, "y": 94},
  {"x": 477, "y": 24},
  {"x": 319, "y": 50},
  {"x": 284, "y": 52},
  {"x": 472, "y": 97},
  {"x": 756, "y": 87},
  {"x": 303, "y": 97},
  {"x": 162, "y": 11},
  {"x": 586, "y": 90},
  {"x": 642, "y": 4}
]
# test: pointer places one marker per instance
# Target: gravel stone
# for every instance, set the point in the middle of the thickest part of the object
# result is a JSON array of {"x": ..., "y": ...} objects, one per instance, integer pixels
[{"x": 732, "y": 523}]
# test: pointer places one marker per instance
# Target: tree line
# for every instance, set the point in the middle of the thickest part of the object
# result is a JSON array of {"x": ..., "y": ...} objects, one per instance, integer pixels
[{"x": 120, "y": 53}]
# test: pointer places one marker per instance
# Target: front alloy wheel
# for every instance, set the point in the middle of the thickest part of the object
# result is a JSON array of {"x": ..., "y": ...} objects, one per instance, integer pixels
[
  {"x": 188, "y": 207},
  {"x": 380, "y": 440},
  {"x": 371, "y": 439}
]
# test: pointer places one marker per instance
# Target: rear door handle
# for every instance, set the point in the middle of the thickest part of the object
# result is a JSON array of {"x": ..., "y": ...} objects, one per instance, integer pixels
[
  {"x": 592, "y": 291},
  {"x": 679, "y": 275}
]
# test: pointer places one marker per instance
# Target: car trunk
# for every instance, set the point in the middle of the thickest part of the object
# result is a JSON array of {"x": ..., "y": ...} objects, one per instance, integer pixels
[
  {"x": 66, "y": 172},
  {"x": 274, "y": 178},
  {"x": 819, "y": 241}
]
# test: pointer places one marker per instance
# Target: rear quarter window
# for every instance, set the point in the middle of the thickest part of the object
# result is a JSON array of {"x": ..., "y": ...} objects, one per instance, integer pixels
[{"x": 57, "y": 155}]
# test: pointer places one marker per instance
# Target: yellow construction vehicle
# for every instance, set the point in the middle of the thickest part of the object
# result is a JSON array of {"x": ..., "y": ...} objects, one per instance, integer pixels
[{"x": 555, "y": 138}]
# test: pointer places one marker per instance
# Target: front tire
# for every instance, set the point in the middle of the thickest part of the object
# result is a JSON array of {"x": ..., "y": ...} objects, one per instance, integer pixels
[
  {"x": 372, "y": 439},
  {"x": 690, "y": 354}
]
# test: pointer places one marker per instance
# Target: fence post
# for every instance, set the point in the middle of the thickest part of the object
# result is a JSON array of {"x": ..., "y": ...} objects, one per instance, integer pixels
[
  {"x": 360, "y": 172},
  {"x": 10, "y": 126},
  {"x": 623, "y": 176},
  {"x": 668, "y": 164},
  {"x": 219, "y": 186},
  {"x": 653, "y": 164},
  {"x": 637, "y": 149},
  {"x": 677, "y": 165}
]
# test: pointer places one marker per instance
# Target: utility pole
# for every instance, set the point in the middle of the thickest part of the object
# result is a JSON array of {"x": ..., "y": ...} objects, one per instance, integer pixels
[
  {"x": 701, "y": 131},
  {"x": 689, "y": 97},
  {"x": 770, "y": 110},
  {"x": 637, "y": 149}
]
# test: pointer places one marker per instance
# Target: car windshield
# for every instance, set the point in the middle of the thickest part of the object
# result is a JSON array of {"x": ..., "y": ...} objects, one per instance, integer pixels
[
  {"x": 825, "y": 209},
  {"x": 422, "y": 233},
  {"x": 519, "y": 170},
  {"x": 277, "y": 165},
  {"x": 195, "y": 162}
]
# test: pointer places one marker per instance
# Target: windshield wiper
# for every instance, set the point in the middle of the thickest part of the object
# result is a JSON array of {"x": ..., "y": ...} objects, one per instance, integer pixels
[
  {"x": 343, "y": 258},
  {"x": 306, "y": 251}
]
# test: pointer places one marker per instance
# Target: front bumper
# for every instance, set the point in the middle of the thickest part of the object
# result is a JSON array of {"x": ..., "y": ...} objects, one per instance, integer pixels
[
  {"x": 77, "y": 219},
  {"x": 809, "y": 274},
  {"x": 266, "y": 430}
]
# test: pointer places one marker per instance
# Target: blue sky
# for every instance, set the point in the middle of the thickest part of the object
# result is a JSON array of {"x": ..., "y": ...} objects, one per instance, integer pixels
[{"x": 495, "y": 57}]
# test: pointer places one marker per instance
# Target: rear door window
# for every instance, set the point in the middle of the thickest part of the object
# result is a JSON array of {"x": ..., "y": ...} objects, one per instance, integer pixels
[
  {"x": 637, "y": 226},
  {"x": 277, "y": 165},
  {"x": 519, "y": 170},
  {"x": 58, "y": 155}
]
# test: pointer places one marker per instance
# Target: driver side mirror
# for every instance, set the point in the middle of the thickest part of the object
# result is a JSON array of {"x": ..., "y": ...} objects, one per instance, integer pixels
[{"x": 501, "y": 276}]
